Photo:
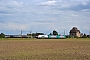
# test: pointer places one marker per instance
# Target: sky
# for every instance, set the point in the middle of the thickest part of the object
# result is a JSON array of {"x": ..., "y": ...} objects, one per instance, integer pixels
[{"x": 44, "y": 16}]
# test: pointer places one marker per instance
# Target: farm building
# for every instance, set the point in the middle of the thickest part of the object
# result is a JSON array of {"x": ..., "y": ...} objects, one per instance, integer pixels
[{"x": 74, "y": 32}]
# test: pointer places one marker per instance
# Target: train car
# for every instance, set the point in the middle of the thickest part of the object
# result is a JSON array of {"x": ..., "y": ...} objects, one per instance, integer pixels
[
  {"x": 16, "y": 36},
  {"x": 51, "y": 37},
  {"x": 56, "y": 37},
  {"x": 42, "y": 36}
]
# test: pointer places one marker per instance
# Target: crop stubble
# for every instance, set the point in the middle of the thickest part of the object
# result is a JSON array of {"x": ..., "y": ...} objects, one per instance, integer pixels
[{"x": 45, "y": 49}]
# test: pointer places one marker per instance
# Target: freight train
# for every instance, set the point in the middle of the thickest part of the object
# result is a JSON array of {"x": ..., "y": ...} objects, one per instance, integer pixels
[
  {"x": 16, "y": 36},
  {"x": 37, "y": 36},
  {"x": 51, "y": 36}
]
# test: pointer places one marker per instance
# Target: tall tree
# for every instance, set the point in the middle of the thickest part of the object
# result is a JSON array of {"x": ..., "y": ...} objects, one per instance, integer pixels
[
  {"x": 50, "y": 34},
  {"x": 55, "y": 32},
  {"x": 2, "y": 35},
  {"x": 84, "y": 36}
]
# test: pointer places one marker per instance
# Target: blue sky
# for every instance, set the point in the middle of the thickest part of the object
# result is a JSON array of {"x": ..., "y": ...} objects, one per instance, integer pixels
[{"x": 44, "y": 16}]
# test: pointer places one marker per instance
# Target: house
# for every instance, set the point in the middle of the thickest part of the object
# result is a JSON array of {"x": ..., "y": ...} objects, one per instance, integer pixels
[{"x": 74, "y": 32}]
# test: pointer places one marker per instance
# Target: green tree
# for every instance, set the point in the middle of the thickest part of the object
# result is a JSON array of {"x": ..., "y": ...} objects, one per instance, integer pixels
[
  {"x": 50, "y": 34},
  {"x": 2, "y": 35},
  {"x": 55, "y": 32},
  {"x": 84, "y": 36},
  {"x": 33, "y": 35}
]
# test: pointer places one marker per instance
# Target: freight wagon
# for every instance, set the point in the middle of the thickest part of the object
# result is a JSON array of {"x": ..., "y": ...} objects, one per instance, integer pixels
[{"x": 51, "y": 36}]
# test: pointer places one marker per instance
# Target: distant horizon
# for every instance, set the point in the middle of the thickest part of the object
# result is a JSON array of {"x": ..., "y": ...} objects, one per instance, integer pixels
[{"x": 28, "y": 32}]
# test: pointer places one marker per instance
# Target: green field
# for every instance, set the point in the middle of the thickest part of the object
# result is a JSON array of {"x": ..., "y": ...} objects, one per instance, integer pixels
[{"x": 44, "y": 49}]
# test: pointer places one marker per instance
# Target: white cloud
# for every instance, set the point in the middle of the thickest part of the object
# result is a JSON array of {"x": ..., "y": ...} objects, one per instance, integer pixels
[
  {"x": 13, "y": 26},
  {"x": 10, "y": 7},
  {"x": 74, "y": 15},
  {"x": 49, "y": 3}
]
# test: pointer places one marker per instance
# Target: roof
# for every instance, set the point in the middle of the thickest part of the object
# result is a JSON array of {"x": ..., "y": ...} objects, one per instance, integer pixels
[{"x": 74, "y": 30}]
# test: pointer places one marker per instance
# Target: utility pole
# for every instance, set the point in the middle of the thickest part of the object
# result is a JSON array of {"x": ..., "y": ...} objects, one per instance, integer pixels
[
  {"x": 21, "y": 33},
  {"x": 89, "y": 34},
  {"x": 31, "y": 34},
  {"x": 64, "y": 32}
]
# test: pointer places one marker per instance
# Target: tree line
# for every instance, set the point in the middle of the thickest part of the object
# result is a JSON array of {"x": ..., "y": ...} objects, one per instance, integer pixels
[{"x": 54, "y": 32}]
